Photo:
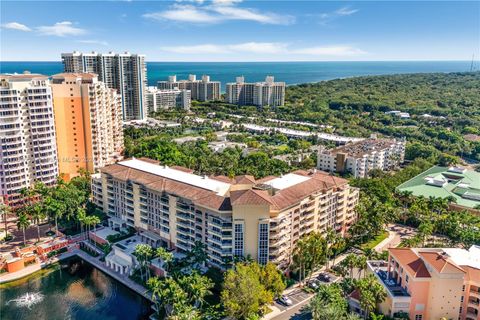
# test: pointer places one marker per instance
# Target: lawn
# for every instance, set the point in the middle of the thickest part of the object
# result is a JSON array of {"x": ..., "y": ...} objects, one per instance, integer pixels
[{"x": 372, "y": 243}]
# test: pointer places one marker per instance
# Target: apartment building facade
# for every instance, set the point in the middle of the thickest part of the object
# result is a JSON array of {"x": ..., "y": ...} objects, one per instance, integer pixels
[
  {"x": 125, "y": 72},
  {"x": 358, "y": 158},
  {"x": 233, "y": 217},
  {"x": 88, "y": 122},
  {"x": 157, "y": 99},
  {"x": 28, "y": 152},
  {"x": 200, "y": 90},
  {"x": 430, "y": 283},
  {"x": 261, "y": 94}
]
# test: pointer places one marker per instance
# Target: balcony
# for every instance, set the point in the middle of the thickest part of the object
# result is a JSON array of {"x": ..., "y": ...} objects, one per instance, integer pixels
[{"x": 394, "y": 290}]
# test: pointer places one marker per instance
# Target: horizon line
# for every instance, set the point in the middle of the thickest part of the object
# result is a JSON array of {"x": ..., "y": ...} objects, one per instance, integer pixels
[{"x": 276, "y": 61}]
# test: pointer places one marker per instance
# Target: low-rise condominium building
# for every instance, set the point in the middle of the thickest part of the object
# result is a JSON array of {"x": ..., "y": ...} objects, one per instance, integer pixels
[
  {"x": 88, "y": 122},
  {"x": 125, "y": 72},
  {"x": 447, "y": 182},
  {"x": 157, "y": 99},
  {"x": 200, "y": 90},
  {"x": 28, "y": 152},
  {"x": 358, "y": 158},
  {"x": 261, "y": 94},
  {"x": 236, "y": 217},
  {"x": 430, "y": 283}
]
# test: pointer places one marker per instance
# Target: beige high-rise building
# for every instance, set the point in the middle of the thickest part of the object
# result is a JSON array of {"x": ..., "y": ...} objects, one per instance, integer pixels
[
  {"x": 238, "y": 217},
  {"x": 200, "y": 90},
  {"x": 88, "y": 122},
  {"x": 28, "y": 152},
  {"x": 261, "y": 94}
]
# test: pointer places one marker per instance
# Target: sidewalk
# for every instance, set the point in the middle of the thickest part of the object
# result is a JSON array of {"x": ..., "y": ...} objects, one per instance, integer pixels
[{"x": 121, "y": 278}]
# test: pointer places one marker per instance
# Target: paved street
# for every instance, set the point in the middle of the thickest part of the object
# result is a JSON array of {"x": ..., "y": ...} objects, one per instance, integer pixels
[{"x": 296, "y": 296}]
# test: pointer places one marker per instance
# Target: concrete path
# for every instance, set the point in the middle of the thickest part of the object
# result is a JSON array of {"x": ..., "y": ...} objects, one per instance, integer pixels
[{"x": 121, "y": 278}]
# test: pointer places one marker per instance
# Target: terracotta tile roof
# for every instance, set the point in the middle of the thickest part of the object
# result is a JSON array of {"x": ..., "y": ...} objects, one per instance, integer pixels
[
  {"x": 245, "y": 179},
  {"x": 281, "y": 199},
  {"x": 410, "y": 261},
  {"x": 200, "y": 196},
  {"x": 438, "y": 261},
  {"x": 355, "y": 294},
  {"x": 253, "y": 197},
  {"x": 473, "y": 274},
  {"x": 222, "y": 178}
]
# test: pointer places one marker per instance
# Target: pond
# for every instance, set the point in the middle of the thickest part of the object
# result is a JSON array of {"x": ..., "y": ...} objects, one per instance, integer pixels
[{"x": 72, "y": 290}]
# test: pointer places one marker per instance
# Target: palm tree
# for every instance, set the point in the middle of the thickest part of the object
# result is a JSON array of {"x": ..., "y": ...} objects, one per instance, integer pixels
[
  {"x": 166, "y": 257},
  {"x": 95, "y": 220},
  {"x": 38, "y": 214},
  {"x": 196, "y": 287},
  {"x": 361, "y": 264},
  {"x": 4, "y": 209},
  {"x": 143, "y": 253},
  {"x": 371, "y": 294},
  {"x": 23, "y": 222}
]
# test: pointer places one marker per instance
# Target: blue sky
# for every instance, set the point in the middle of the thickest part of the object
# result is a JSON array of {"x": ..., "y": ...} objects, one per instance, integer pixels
[{"x": 234, "y": 30}]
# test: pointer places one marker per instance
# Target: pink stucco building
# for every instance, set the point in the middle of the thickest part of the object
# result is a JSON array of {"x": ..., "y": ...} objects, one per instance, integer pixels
[{"x": 430, "y": 283}]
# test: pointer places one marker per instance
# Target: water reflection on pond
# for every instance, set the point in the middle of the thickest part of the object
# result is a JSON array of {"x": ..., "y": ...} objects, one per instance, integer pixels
[{"x": 75, "y": 290}]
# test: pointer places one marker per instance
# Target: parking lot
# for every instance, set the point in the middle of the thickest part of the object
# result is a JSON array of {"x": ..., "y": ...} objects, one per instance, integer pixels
[{"x": 296, "y": 296}]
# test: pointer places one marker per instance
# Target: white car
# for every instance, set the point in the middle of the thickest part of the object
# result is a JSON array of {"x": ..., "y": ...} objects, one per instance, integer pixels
[
  {"x": 285, "y": 301},
  {"x": 313, "y": 284}
]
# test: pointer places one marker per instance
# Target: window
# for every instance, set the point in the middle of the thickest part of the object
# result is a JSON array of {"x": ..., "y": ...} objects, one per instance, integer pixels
[
  {"x": 406, "y": 278},
  {"x": 238, "y": 241},
  {"x": 263, "y": 242},
  {"x": 419, "y": 317}
]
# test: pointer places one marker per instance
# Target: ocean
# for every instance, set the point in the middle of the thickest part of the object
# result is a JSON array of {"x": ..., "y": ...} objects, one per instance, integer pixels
[{"x": 290, "y": 72}]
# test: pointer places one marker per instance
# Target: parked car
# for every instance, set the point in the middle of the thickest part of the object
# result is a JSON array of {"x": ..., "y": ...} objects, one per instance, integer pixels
[
  {"x": 313, "y": 284},
  {"x": 324, "y": 277},
  {"x": 285, "y": 300}
]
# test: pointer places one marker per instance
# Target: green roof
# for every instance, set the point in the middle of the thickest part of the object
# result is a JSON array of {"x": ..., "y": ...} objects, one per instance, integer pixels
[{"x": 451, "y": 184}]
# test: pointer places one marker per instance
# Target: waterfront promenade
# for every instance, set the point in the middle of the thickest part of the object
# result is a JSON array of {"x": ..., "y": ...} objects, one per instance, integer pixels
[
  {"x": 121, "y": 278},
  {"x": 124, "y": 279}
]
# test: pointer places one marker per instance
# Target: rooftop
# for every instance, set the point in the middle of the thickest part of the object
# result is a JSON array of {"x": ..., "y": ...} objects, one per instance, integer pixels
[
  {"x": 214, "y": 192},
  {"x": 442, "y": 182},
  {"x": 204, "y": 182},
  {"x": 360, "y": 148},
  {"x": 128, "y": 245}
]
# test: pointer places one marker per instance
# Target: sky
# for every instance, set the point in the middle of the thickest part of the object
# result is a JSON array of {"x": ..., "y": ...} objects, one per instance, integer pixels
[{"x": 235, "y": 30}]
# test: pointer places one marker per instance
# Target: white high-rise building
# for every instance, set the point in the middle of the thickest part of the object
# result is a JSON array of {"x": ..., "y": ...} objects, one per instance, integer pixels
[
  {"x": 359, "y": 158},
  {"x": 261, "y": 94},
  {"x": 201, "y": 90},
  {"x": 157, "y": 99},
  {"x": 125, "y": 72},
  {"x": 28, "y": 152}
]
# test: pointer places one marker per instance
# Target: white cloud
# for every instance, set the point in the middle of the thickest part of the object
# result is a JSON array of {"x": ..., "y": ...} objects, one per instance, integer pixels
[
  {"x": 346, "y": 11},
  {"x": 16, "y": 26},
  {"x": 97, "y": 42},
  {"x": 215, "y": 12},
  {"x": 184, "y": 13},
  {"x": 61, "y": 29},
  {"x": 270, "y": 48},
  {"x": 235, "y": 13},
  {"x": 327, "y": 17},
  {"x": 340, "y": 51}
]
